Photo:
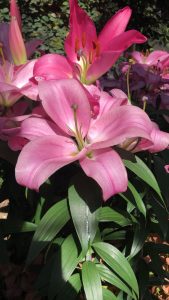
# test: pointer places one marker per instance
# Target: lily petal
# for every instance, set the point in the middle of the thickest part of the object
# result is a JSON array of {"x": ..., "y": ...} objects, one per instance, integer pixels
[
  {"x": 156, "y": 56},
  {"x": 82, "y": 32},
  {"x": 115, "y": 26},
  {"x": 101, "y": 65},
  {"x": 106, "y": 167},
  {"x": 41, "y": 157},
  {"x": 52, "y": 66},
  {"x": 159, "y": 142},
  {"x": 23, "y": 74},
  {"x": 62, "y": 99},
  {"x": 117, "y": 125},
  {"x": 112, "y": 52},
  {"x": 125, "y": 40}
]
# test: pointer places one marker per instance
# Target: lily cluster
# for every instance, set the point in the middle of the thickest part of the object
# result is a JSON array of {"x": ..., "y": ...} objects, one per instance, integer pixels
[
  {"x": 73, "y": 118},
  {"x": 148, "y": 78}
]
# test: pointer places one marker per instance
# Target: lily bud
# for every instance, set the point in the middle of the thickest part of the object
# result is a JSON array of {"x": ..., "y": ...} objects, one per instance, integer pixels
[
  {"x": 14, "y": 12},
  {"x": 16, "y": 43}
]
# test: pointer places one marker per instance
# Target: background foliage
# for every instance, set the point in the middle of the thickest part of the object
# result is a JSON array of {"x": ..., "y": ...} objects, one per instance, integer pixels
[{"x": 48, "y": 19}]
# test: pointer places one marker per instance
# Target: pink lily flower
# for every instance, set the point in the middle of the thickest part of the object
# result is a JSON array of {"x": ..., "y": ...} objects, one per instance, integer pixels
[
  {"x": 15, "y": 82},
  {"x": 89, "y": 56},
  {"x": 80, "y": 137},
  {"x": 93, "y": 56}
]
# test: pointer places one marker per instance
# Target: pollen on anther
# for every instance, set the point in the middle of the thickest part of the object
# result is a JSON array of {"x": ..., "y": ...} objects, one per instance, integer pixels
[
  {"x": 83, "y": 39},
  {"x": 74, "y": 106},
  {"x": 77, "y": 47}
]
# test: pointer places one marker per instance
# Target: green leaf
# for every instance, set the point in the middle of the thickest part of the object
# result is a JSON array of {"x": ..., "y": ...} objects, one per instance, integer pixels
[
  {"x": 66, "y": 262},
  {"x": 107, "y": 214},
  {"x": 15, "y": 226},
  {"x": 108, "y": 295},
  {"x": 91, "y": 281},
  {"x": 84, "y": 196},
  {"x": 137, "y": 198},
  {"x": 71, "y": 288},
  {"x": 109, "y": 234},
  {"x": 142, "y": 171},
  {"x": 51, "y": 223},
  {"x": 118, "y": 263},
  {"x": 107, "y": 275},
  {"x": 138, "y": 241}
]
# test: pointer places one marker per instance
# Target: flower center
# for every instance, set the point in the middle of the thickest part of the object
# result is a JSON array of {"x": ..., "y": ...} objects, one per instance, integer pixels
[
  {"x": 85, "y": 55},
  {"x": 78, "y": 133}
]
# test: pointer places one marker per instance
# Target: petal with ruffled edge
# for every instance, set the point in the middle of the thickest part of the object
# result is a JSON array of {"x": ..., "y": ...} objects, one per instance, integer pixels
[
  {"x": 113, "y": 127},
  {"x": 60, "y": 99},
  {"x": 159, "y": 142},
  {"x": 52, "y": 66},
  {"x": 106, "y": 167},
  {"x": 82, "y": 32},
  {"x": 115, "y": 26},
  {"x": 40, "y": 158}
]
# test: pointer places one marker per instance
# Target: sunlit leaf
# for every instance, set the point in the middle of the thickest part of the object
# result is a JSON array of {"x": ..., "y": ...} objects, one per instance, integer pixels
[
  {"x": 91, "y": 281},
  {"x": 84, "y": 196}
]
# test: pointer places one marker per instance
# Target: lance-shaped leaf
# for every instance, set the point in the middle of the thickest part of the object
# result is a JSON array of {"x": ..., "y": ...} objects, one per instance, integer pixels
[
  {"x": 51, "y": 223},
  {"x": 91, "y": 281},
  {"x": 107, "y": 214},
  {"x": 108, "y": 276},
  {"x": 142, "y": 171},
  {"x": 84, "y": 195},
  {"x": 118, "y": 263},
  {"x": 65, "y": 263}
]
